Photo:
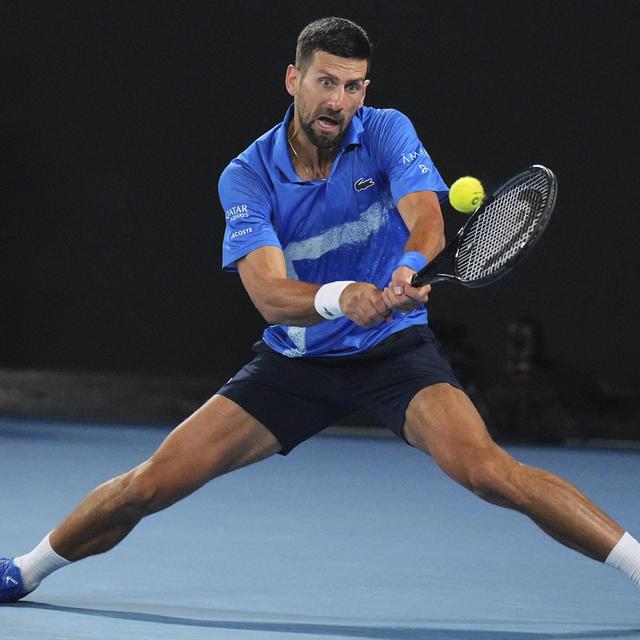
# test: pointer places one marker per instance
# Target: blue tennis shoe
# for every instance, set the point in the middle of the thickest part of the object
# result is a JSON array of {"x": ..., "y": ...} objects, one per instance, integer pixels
[{"x": 11, "y": 584}]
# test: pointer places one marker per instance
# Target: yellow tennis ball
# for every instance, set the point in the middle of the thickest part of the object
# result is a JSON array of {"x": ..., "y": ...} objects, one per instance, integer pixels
[{"x": 466, "y": 194}]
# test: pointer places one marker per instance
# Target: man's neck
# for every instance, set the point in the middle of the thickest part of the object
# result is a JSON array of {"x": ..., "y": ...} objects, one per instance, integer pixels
[{"x": 309, "y": 161}]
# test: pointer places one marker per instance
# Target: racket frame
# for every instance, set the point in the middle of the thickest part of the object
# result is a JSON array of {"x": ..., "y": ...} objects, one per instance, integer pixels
[{"x": 429, "y": 274}]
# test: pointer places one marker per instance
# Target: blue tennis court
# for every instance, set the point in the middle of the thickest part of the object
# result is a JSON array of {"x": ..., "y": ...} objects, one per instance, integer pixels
[{"x": 348, "y": 537}]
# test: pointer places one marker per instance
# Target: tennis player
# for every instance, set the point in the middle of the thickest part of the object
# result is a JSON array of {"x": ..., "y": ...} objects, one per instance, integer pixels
[{"x": 329, "y": 214}]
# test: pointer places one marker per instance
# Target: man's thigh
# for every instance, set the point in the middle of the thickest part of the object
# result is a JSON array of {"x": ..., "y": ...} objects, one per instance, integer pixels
[
  {"x": 219, "y": 437},
  {"x": 442, "y": 421}
]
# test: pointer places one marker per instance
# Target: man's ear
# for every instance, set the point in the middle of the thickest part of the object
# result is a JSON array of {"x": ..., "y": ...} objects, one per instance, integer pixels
[
  {"x": 291, "y": 79},
  {"x": 365, "y": 84}
]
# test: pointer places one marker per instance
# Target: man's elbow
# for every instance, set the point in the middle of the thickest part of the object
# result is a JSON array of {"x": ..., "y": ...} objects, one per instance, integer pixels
[
  {"x": 271, "y": 316},
  {"x": 267, "y": 311},
  {"x": 275, "y": 315},
  {"x": 271, "y": 313}
]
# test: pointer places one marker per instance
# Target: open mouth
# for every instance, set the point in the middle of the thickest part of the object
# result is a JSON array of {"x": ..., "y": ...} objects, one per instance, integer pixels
[{"x": 327, "y": 122}]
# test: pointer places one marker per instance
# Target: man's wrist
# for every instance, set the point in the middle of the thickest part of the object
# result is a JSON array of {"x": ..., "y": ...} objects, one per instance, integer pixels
[
  {"x": 327, "y": 299},
  {"x": 413, "y": 260}
]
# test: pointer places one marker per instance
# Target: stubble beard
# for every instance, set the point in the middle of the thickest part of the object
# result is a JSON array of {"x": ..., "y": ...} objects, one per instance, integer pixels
[{"x": 323, "y": 142}]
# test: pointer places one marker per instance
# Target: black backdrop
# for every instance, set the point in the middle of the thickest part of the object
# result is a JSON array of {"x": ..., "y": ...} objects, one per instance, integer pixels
[{"x": 118, "y": 117}]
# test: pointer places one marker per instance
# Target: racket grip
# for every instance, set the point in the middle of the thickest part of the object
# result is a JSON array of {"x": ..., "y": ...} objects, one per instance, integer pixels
[
  {"x": 431, "y": 278},
  {"x": 430, "y": 272},
  {"x": 418, "y": 279},
  {"x": 426, "y": 275}
]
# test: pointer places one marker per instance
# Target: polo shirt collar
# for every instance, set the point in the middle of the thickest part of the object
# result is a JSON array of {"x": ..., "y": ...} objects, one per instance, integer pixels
[{"x": 281, "y": 155}]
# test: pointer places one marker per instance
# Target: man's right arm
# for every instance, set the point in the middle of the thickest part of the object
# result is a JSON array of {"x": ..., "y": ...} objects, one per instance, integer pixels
[{"x": 282, "y": 300}]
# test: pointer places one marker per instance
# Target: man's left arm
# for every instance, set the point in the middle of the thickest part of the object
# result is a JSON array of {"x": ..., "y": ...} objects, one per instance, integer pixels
[{"x": 421, "y": 213}]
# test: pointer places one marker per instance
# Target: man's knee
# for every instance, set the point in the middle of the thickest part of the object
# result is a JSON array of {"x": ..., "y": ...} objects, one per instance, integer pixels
[{"x": 492, "y": 475}]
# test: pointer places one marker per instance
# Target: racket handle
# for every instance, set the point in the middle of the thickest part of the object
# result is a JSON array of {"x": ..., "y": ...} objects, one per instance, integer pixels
[
  {"x": 429, "y": 273},
  {"x": 428, "y": 279},
  {"x": 419, "y": 279}
]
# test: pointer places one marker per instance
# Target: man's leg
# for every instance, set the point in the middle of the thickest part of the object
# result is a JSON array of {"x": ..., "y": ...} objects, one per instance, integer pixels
[
  {"x": 442, "y": 421},
  {"x": 216, "y": 439}
]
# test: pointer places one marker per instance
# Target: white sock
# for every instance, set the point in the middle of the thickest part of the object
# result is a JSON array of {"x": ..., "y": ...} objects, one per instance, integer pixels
[
  {"x": 626, "y": 557},
  {"x": 36, "y": 565}
]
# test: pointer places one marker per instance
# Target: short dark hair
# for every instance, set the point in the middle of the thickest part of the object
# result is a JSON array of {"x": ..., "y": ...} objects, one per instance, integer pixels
[{"x": 337, "y": 36}]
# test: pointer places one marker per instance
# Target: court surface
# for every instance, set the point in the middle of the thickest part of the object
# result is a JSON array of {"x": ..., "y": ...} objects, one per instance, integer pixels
[{"x": 344, "y": 538}]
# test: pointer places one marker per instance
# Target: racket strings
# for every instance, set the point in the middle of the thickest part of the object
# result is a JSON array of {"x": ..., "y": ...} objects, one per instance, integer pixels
[{"x": 505, "y": 227}]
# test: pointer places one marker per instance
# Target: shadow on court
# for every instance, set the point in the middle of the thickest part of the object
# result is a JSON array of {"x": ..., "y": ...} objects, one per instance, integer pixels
[{"x": 338, "y": 630}]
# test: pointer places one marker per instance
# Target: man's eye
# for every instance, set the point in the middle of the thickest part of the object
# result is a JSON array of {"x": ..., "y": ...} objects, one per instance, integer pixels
[
  {"x": 353, "y": 88},
  {"x": 326, "y": 82}
]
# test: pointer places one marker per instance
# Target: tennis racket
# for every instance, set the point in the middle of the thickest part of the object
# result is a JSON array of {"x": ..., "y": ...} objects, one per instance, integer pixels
[{"x": 499, "y": 234}]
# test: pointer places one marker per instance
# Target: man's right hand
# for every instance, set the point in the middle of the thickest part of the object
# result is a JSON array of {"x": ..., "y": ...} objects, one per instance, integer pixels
[{"x": 362, "y": 302}]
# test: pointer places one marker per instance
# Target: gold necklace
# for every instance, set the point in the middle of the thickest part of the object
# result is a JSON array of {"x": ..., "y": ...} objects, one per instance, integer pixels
[{"x": 295, "y": 153}]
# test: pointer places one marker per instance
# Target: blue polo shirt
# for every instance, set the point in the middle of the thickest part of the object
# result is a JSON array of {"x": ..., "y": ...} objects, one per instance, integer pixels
[{"x": 346, "y": 227}]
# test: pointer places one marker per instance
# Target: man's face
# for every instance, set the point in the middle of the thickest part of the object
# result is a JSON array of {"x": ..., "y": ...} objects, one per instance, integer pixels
[{"x": 327, "y": 94}]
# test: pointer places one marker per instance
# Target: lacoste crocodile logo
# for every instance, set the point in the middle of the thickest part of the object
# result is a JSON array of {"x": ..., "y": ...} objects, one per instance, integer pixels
[{"x": 363, "y": 183}]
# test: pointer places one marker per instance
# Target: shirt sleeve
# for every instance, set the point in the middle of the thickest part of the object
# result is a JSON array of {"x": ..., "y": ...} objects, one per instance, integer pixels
[
  {"x": 248, "y": 213},
  {"x": 404, "y": 159}
]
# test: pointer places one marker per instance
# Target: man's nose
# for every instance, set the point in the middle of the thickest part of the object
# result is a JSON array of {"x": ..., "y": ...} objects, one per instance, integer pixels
[{"x": 336, "y": 98}]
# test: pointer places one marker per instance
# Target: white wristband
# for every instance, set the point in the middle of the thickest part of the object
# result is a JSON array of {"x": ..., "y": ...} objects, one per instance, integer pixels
[{"x": 327, "y": 300}]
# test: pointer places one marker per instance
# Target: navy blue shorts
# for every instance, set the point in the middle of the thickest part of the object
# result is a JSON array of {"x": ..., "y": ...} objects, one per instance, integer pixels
[{"x": 296, "y": 398}]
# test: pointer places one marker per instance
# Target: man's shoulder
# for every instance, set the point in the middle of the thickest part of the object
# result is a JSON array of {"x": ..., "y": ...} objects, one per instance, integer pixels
[
  {"x": 381, "y": 125},
  {"x": 255, "y": 162},
  {"x": 376, "y": 117}
]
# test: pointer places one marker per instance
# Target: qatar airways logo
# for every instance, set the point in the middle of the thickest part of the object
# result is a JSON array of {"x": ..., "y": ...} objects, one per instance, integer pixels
[{"x": 237, "y": 212}]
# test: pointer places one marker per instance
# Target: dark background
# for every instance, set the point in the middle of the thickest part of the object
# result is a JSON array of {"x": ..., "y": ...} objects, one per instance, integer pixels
[{"x": 117, "y": 119}]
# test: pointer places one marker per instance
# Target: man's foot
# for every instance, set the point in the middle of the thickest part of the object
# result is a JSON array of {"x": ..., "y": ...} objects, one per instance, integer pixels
[{"x": 11, "y": 584}]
